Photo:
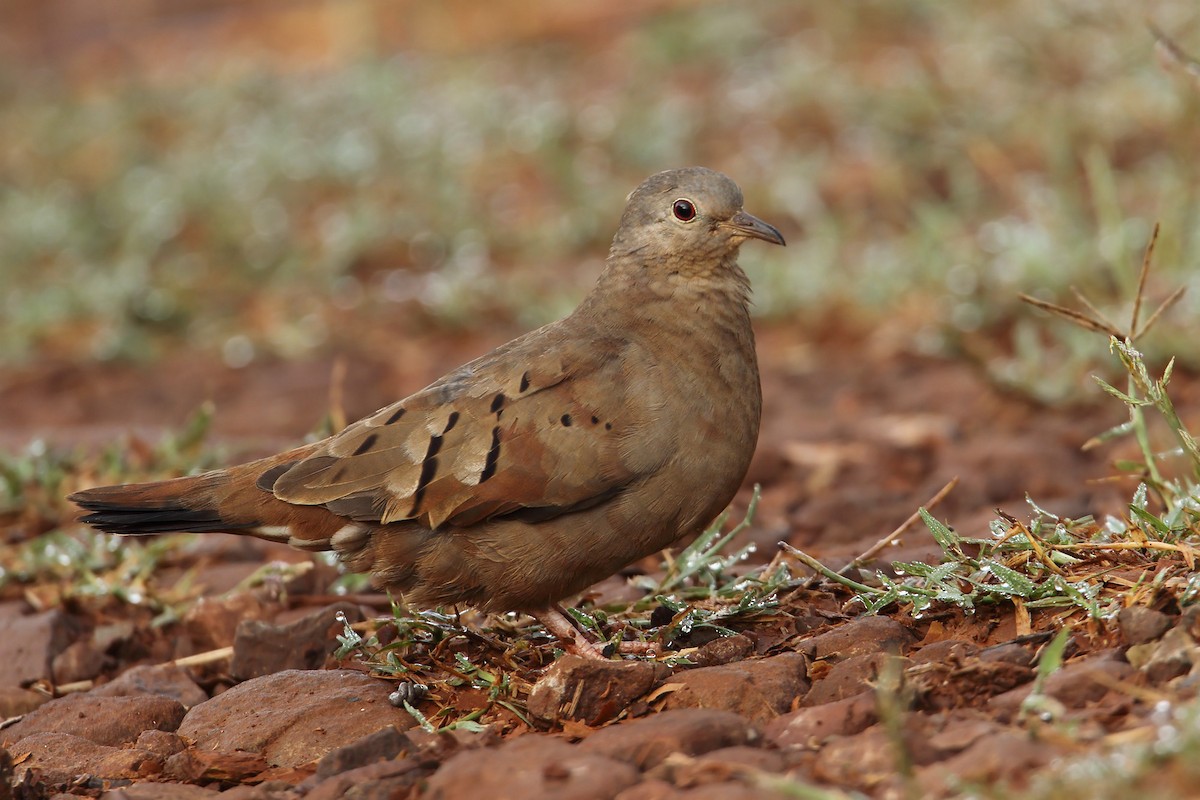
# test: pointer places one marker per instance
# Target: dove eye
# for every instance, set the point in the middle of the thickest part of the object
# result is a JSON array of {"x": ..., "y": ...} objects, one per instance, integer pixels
[{"x": 684, "y": 210}]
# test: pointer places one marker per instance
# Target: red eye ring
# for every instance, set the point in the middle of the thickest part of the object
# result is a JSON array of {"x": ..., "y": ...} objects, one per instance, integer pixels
[{"x": 684, "y": 210}]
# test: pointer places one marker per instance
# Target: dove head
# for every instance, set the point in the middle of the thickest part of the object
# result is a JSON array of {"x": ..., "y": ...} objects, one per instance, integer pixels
[{"x": 687, "y": 221}]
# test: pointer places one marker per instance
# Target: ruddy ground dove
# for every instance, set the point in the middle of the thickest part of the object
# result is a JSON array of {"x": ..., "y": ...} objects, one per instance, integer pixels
[{"x": 544, "y": 466}]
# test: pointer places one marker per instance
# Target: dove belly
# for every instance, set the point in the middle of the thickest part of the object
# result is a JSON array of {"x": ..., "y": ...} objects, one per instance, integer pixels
[{"x": 688, "y": 430}]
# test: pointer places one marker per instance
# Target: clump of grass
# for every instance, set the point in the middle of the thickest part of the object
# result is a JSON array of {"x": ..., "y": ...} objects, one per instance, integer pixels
[
  {"x": 701, "y": 588},
  {"x": 51, "y": 559},
  {"x": 1161, "y": 760},
  {"x": 1085, "y": 566}
]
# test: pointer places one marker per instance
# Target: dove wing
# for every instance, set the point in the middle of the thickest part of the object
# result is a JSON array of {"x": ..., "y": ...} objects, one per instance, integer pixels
[{"x": 521, "y": 431}]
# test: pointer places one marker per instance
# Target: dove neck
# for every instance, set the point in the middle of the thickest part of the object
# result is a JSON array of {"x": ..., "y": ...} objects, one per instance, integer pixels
[
  {"x": 671, "y": 297},
  {"x": 709, "y": 282}
]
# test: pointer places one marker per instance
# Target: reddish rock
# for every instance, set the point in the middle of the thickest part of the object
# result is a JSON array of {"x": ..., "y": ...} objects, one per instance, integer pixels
[
  {"x": 858, "y": 637},
  {"x": 163, "y": 743},
  {"x": 946, "y": 650},
  {"x": 651, "y": 789},
  {"x": 294, "y": 717},
  {"x": 939, "y": 686},
  {"x": 103, "y": 720},
  {"x": 592, "y": 691},
  {"x": 532, "y": 766},
  {"x": 990, "y": 759},
  {"x": 378, "y": 746},
  {"x": 383, "y": 780},
  {"x": 808, "y": 726},
  {"x": 862, "y": 761},
  {"x": 647, "y": 741},
  {"x": 848, "y": 678},
  {"x": 161, "y": 791},
  {"x": 742, "y": 757},
  {"x": 725, "y": 650},
  {"x": 1139, "y": 624},
  {"x": 1166, "y": 658},
  {"x": 60, "y": 757},
  {"x": 958, "y": 733},
  {"x": 14, "y": 702},
  {"x": 1074, "y": 685},
  {"x": 166, "y": 680},
  {"x": 1008, "y": 653},
  {"x": 80, "y": 661},
  {"x": 267, "y": 790},
  {"x": 869, "y": 760},
  {"x": 29, "y": 643},
  {"x": 200, "y": 766},
  {"x": 261, "y": 648},
  {"x": 759, "y": 690},
  {"x": 730, "y": 790},
  {"x": 212, "y": 622},
  {"x": 718, "y": 766}
]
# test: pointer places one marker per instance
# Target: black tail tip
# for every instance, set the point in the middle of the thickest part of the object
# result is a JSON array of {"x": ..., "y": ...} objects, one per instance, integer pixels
[{"x": 115, "y": 509}]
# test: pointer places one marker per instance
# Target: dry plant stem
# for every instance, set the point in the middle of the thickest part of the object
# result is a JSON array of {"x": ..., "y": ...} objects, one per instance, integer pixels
[
  {"x": 825, "y": 571},
  {"x": 1174, "y": 54},
  {"x": 1018, "y": 527},
  {"x": 1078, "y": 317},
  {"x": 337, "y": 392},
  {"x": 874, "y": 549},
  {"x": 1141, "y": 287},
  {"x": 1174, "y": 298}
]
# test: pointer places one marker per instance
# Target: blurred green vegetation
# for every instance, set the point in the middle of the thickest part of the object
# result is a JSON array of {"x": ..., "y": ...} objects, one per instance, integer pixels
[{"x": 928, "y": 159}]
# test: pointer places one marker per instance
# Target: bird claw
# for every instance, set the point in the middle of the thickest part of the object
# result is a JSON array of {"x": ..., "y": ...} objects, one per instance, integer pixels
[{"x": 577, "y": 642}]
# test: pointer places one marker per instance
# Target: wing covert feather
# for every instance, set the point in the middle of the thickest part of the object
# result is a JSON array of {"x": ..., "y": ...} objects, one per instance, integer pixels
[{"x": 482, "y": 442}]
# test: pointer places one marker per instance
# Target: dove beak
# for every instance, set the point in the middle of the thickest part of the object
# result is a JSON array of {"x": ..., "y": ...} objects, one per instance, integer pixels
[{"x": 750, "y": 226}]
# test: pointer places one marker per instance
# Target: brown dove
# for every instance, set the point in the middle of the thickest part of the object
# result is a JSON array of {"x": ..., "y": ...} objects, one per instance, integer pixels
[{"x": 544, "y": 466}]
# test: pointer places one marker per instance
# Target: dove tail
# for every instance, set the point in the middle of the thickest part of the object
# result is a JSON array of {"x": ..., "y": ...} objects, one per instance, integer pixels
[{"x": 178, "y": 505}]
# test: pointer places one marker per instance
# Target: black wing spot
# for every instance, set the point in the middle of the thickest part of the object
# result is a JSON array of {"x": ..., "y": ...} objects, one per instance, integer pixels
[
  {"x": 498, "y": 403},
  {"x": 489, "y": 466},
  {"x": 608, "y": 426},
  {"x": 450, "y": 423},
  {"x": 595, "y": 420},
  {"x": 395, "y": 417},
  {"x": 367, "y": 444},
  {"x": 267, "y": 480},
  {"x": 525, "y": 381},
  {"x": 566, "y": 420},
  {"x": 428, "y": 471}
]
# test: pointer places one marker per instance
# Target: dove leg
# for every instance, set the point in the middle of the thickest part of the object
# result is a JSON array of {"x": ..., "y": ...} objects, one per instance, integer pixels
[
  {"x": 576, "y": 641},
  {"x": 573, "y": 639}
]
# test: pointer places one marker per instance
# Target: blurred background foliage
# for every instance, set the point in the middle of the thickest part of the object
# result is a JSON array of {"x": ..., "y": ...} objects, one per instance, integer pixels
[{"x": 265, "y": 179}]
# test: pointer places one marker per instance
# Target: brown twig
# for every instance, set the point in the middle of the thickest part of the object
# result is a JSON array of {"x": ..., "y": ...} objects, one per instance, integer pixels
[
  {"x": 1162, "y": 309},
  {"x": 1141, "y": 287},
  {"x": 1174, "y": 54},
  {"x": 337, "y": 390},
  {"x": 874, "y": 549},
  {"x": 1078, "y": 317},
  {"x": 1095, "y": 311}
]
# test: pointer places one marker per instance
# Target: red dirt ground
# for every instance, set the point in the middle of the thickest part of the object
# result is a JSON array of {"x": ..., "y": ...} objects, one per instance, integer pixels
[{"x": 858, "y": 432}]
